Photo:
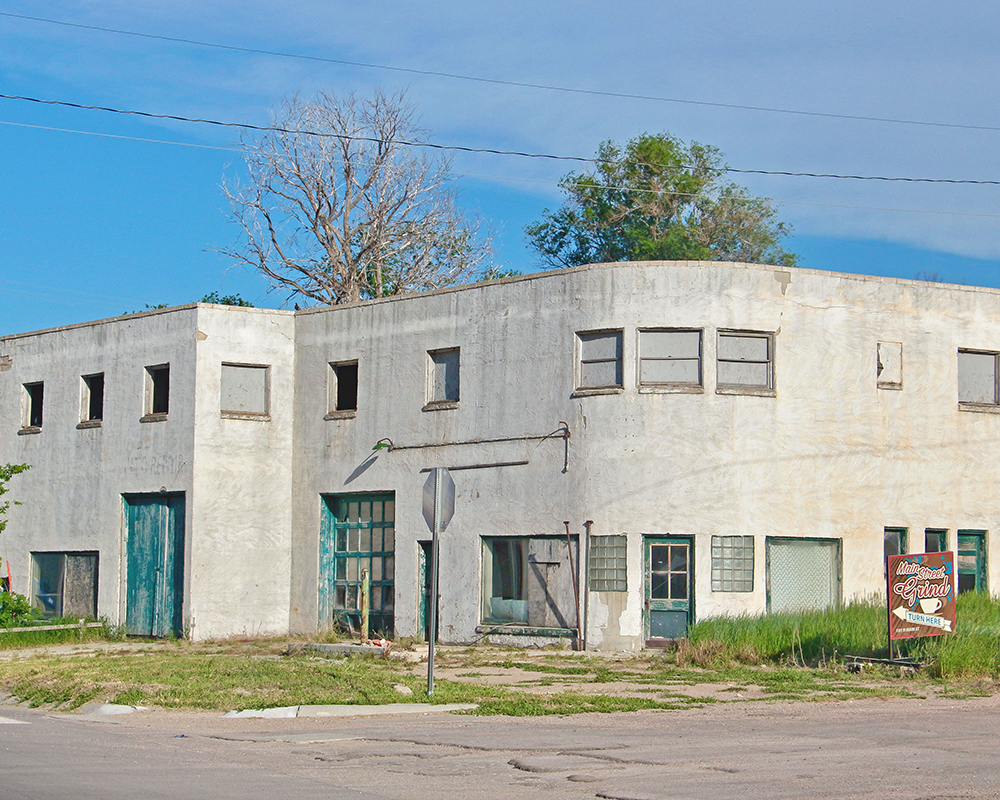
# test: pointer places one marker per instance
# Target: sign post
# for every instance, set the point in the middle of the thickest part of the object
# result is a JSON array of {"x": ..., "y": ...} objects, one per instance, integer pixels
[
  {"x": 438, "y": 508},
  {"x": 921, "y": 592}
]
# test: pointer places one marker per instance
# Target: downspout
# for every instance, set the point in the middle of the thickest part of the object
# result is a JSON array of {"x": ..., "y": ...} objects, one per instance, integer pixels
[
  {"x": 576, "y": 584},
  {"x": 586, "y": 585}
]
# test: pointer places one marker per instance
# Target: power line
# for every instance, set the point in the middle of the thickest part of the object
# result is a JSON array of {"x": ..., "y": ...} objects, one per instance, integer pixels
[
  {"x": 117, "y": 136},
  {"x": 502, "y": 82},
  {"x": 467, "y": 149}
]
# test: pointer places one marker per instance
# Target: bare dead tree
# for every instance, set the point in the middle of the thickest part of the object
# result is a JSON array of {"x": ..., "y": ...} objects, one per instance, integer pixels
[{"x": 338, "y": 209}]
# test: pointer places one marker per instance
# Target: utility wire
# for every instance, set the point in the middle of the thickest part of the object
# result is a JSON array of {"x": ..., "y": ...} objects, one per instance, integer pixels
[
  {"x": 466, "y": 149},
  {"x": 502, "y": 82}
]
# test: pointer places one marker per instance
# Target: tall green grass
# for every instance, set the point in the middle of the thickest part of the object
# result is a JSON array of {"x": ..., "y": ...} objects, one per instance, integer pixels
[{"x": 858, "y": 628}]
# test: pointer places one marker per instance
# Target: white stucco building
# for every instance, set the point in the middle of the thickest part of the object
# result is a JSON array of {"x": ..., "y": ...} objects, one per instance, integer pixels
[{"x": 720, "y": 438}]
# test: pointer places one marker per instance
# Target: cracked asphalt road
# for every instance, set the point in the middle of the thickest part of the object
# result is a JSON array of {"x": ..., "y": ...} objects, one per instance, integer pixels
[{"x": 907, "y": 749}]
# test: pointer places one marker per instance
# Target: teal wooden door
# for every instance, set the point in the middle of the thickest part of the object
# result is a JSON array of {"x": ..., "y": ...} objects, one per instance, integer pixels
[
  {"x": 668, "y": 606},
  {"x": 154, "y": 564},
  {"x": 357, "y": 532}
]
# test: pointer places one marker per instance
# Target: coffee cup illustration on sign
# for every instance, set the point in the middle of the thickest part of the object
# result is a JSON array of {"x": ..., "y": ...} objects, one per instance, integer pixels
[{"x": 931, "y": 604}]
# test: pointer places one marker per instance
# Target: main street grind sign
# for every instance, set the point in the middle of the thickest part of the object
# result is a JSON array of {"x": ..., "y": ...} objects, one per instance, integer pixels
[{"x": 921, "y": 592}]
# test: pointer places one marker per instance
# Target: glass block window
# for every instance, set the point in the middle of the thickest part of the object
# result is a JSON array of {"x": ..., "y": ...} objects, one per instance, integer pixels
[
  {"x": 732, "y": 563},
  {"x": 607, "y": 564}
]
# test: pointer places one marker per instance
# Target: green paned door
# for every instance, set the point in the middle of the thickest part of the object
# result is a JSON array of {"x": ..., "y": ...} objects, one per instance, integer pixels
[
  {"x": 357, "y": 533},
  {"x": 667, "y": 587},
  {"x": 154, "y": 548},
  {"x": 971, "y": 561}
]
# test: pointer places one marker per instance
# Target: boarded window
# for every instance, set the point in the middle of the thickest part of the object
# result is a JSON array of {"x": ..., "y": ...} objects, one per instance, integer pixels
[
  {"x": 802, "y": 574},
  {"x": 245, "y": 390},
  {"x": 529, "y": 581},
  {"x": 670, "y": 358},
  {"x": 977, "y": 378},
  {"x": 732, "y": 563},
  {"x": 443, "y": 380},
  {"x": 92, "y": 401},
  {"x": 64, "y": 584},
  {"x": 889, "y": 365},
  {"x": 745, "y": 360},
  {"x": 608, "y": 564},
  {"x": 935, "y": 540},
  {"x": 600, "y": 360},
  {"x": 157, "y": 391},
  {"x": 344, "y": 386},
  {"x": 34, "y": 395}
]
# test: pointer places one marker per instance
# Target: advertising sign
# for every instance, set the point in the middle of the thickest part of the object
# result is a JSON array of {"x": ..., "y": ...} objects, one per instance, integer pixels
[{"x": 921, "y": 591}]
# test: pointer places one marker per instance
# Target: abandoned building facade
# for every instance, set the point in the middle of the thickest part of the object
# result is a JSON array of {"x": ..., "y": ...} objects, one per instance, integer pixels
[{"x": 634, "y": 446}]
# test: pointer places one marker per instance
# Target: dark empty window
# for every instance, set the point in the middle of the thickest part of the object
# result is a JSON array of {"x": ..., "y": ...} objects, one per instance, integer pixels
[
  {"x": 893, "y": 543},
  {"x": 443, "y": 379},
  {"x": 34, "y": 393},
  {"x": 158, "y": 389},
  {"x": 935, "y": 540},
  {"x": 345, "y": 388},
  {"x": 93, "y": 398}
]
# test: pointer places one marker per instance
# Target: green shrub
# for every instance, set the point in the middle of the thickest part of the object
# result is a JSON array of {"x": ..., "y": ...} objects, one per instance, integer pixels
[{"x": 14, "y": 609}]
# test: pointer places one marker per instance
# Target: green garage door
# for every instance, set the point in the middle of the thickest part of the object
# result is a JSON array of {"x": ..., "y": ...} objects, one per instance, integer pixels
[{"x": 154, "y": 555}]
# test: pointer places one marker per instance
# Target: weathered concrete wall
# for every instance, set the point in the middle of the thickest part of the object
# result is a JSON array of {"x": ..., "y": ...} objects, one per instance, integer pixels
[
  {"x": 241, "y": 513},
  {"x": 72, "y": 495},
  {"x": 828, "y": 455}
]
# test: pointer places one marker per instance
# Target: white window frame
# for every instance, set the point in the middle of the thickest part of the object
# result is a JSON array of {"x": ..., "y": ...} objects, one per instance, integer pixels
[
  {"x": 763, "y": 390},
  {"x": 696, "y": 386},
  {"x": 612, "y": 388}
]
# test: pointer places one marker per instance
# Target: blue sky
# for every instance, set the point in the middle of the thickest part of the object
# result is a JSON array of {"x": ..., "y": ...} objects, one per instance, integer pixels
[{"x": 96, "y": 225}]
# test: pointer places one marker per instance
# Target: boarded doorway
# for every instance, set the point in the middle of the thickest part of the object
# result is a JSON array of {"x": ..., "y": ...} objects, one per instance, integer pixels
[
  {"x": 154, "y": 564},
  {"x": 357, "y": 533},
  {"x": 802, "y": 574}
]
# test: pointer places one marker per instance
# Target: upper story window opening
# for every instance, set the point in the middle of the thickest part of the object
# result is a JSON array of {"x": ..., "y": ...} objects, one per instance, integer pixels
[
  {"x": 31, "y": 407},
  {"x": 157, "y": 400},
  {"x": 91, "y": 400},
  {"x": 600, "y": 363},
  {"x": 745, "y": 362},
  {"x": 343, "y": 390},
  {"x": 670, "y": 358},
  {"x": 977, "y": 379},
  {"x": 442, "y": 378},
  {"x": 245, "y": 391}
]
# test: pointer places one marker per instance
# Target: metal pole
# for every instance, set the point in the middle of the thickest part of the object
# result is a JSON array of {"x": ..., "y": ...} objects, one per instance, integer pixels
[
  {"x": 366, "y": 588},
  {"x": 438, "y": 475}
]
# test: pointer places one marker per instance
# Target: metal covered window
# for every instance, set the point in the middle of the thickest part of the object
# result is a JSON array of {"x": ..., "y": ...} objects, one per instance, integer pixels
[
  {"x": 732, "y": 563},
  {"x": 608, "y": 563},
  {"x": 443, "y": 384},
  {"x": 600, "y": 360},
  {"x": 245, "y": 390},
  {"x": 977, "y": 378},
  {"x": 64, "y": 584},
  {"x": 670, "y": 358},
  {"x": 746, "y": 361}
]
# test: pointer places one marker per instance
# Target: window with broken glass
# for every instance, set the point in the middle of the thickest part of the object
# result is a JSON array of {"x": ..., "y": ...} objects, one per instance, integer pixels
[{"x": 64, "y": 584}]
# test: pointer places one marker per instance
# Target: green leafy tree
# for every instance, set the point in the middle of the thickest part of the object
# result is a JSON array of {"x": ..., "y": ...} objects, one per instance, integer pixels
[
  {"x": 226, "y": 300},
  {"x": 658, "y": 199},
  {"x": 7, "y": 471}
]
